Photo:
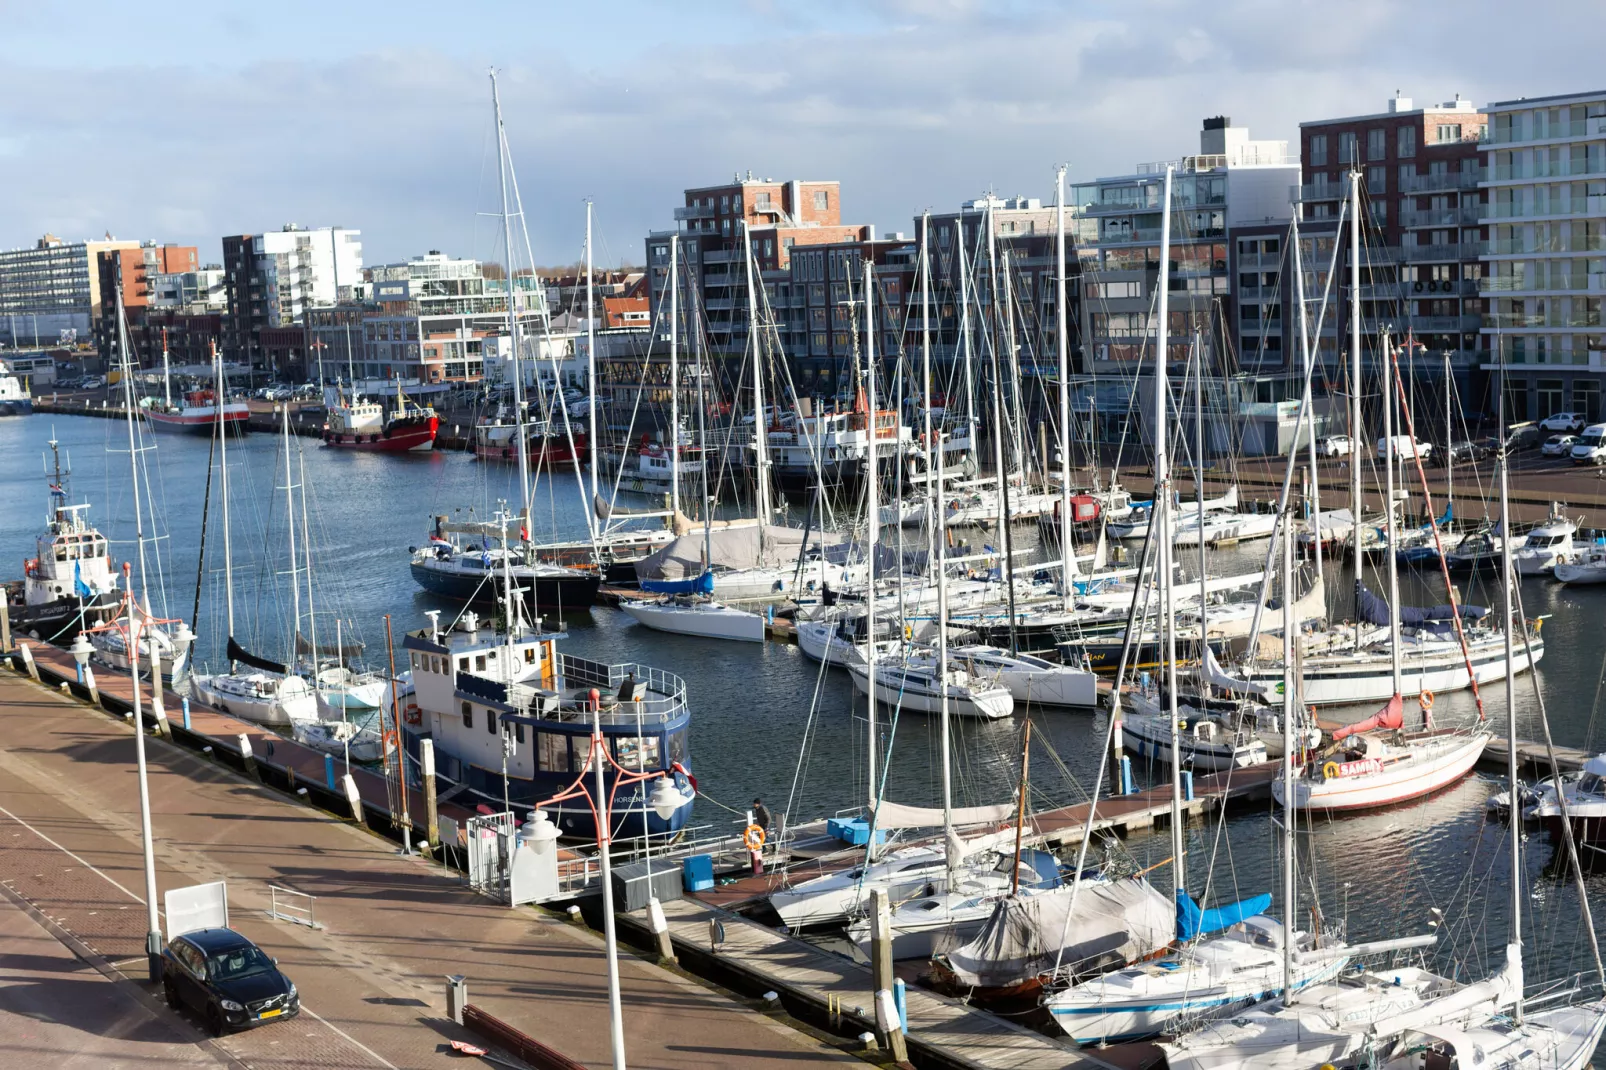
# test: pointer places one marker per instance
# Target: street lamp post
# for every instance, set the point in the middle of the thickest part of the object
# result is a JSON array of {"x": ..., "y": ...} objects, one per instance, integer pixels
[{"x": 664, "y": 801}]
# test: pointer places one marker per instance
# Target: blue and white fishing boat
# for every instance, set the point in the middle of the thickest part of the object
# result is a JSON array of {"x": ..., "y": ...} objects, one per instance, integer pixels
[{"x": 476, "y": 686}]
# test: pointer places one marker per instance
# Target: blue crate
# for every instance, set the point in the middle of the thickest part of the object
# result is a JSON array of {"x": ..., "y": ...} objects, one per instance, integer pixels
[
  {"x": 854, "y": 830},
  {"x": 697, "y": 873}
]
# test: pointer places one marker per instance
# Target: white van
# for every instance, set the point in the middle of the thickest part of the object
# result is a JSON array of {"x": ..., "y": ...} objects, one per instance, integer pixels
[
  {"x": 1403, "y": 447},
  {"x": 1591, "y": 445}
]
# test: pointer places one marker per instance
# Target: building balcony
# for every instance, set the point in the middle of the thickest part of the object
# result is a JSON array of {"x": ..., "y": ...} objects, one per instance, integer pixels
[
  {"x": 1516, "y": 321},
  {"x": 1467, "y": 250},
  {"x": 1452, "y": 180},
  {"x": 1516, "y": 172},
  {"x": 1445, "y": 324},
  {"x": 695, "y": 211},
  {"x": 1589, "y": 243},
  {"x": 1525, "y": 284},
  {"x": 1322, "y": 191},
  {"x": 1494, "y": 212},
  {"x": 1468, "y": 214},
  {"x": 1595, "y": 126},
  {"x": 722, "y": 256}
]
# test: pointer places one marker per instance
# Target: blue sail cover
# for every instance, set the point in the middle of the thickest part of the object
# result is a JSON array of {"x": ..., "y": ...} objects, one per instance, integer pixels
[
  {"x": 703, "y": 584},
  {"x": 1193, "y": 921},
  {"x": 1375, "y": 610}
]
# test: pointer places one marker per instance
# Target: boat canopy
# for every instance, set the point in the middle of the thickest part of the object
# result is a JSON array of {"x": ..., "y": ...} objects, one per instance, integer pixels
[
  {"x": 1122, "y": 919},
  {"x": 1193, "y": 921},
  {"x": 346, "y": 648},
  {"x": 1211, "y": 672},
  {"x": 1375, "y": 610},
  {"x": 703, "y": 584},
  {"x": 891, "y": 815},
  {"x": 729, "y": 547},
  {"x": 240, "y": 654}
]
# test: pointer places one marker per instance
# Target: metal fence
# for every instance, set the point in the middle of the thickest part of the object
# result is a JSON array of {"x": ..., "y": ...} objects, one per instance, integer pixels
[{"x": 286, "y": 904}]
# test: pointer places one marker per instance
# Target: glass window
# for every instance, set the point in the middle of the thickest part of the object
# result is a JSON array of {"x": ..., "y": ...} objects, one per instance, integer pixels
[
  {"x": 552, "y": 752},
  {"x": 518, "y": 732},
  {"x": 490, "y": 722},
  {"x": 628, "y": 754},
  {"x": 479, "y": 662},
  {"x": 1376, "y": 144},
  {"x": 1405, "y": 141},
  {"x": 1318, "y": 150},
  {"x": 677, "y": 748},
  {"x": 822, "y": 200},
  {"x": 1346, "y": 149},
  {"x": 468, "y": 715},
  {"x": 1377, "y": 180}
]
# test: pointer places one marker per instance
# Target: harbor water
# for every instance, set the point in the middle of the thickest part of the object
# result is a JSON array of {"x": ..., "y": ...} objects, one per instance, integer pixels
[{"x": 769, "y": 723}]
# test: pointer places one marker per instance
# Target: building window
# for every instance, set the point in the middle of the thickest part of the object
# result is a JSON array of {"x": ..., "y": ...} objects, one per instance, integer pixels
[
  {"x": 761, "y": 202},
  {"x": 1406, "y": 142},
  {"x": 822, "y": 200},
  {"x": 1376, "y": 144},
  {"x": 1547, "y": 392},
  {"x": 1377, "y": 180},
  {"x": 1318, "y": 150},
  {"x": 468, "y": 715},
  {"x": 1346, "y": 149},
  {"x": 1449, "y": 132}
]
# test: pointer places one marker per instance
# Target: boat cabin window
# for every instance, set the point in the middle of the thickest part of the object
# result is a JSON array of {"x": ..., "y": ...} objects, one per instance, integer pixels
[
  {"x": 645, "y": 756},
  {"x": 518, "y": 732},
  {"x": 1592, "y": 784},
  {"x": 468, "y": 715},
  {"x": 552, "y": 752},
  {"x": 490, "y": 722},
  {"x": 462, "y": 663},
  {"x": 479, "y": 663},
  {"x": 677, "y": 747},
  {"x": 529, "y": 655}
]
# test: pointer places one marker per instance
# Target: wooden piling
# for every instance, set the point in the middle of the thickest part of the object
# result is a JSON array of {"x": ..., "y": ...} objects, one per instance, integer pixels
[
  {"x": 426, "y": 764},
  {"x": 888, "y": 1021}
]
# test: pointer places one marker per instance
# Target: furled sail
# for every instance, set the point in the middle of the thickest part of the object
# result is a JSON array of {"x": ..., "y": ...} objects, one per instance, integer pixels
[
  {"x": 703, "y": 584},
  {"x": 1390, "y": 716},
  {"x": 1193, "y": 920},
  {"x": 891, "y": 815},
  {"x": 1375, "y": 610},
  {"x": 240, "y": 654},
  {"x": 346, "y": 648}
]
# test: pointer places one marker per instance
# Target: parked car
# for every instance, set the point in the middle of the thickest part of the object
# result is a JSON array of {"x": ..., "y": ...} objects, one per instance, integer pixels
[
  {"x": 227, "y": 979},
  {"x": 1591, "y": 446},
  {"x": 1569, "y": 422},
  {"x": 1558, "y": 445},
  {"x": 1518, "y": 437},
  {"x": 1334, "y": 446},
  {"x": 1459, "y": 452},
  {"x": 1404, "y": 447},
  {"x": 94, "y": 382}
]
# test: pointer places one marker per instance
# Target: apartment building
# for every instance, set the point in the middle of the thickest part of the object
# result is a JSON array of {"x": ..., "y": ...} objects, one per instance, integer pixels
[
  {"x": 1423, "y": 237},
  {"x": 1544, "y": 271},
  {"x": 271, "y": 280},
  {"x": 138, "y": 271},
  {"x": 52, "y": 292}
]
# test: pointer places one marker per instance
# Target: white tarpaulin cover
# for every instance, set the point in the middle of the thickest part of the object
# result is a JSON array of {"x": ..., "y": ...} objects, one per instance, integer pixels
[
  {"x": 1126, "y": 919},
  {"x": 1214, "y": 675},
  {"x": 200, "y": 906},
  {"x": 891, "y": 815},
  {"x": 731, "y": 547}
]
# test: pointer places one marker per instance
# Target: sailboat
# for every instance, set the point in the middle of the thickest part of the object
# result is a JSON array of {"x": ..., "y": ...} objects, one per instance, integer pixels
[
  {"x": 1405, "y": 1018},
  {"x": 265, "y": 691}
]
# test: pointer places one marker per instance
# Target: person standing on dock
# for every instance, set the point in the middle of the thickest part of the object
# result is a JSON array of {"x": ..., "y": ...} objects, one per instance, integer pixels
[{"x": 761, "y": 816}]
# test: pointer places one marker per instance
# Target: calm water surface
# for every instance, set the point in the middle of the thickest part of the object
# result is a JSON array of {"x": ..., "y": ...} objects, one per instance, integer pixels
[{"x": 768, "y": 722}]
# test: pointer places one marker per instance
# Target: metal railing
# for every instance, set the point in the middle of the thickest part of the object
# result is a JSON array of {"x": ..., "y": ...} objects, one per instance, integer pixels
[
  {"x": 1592, "y": 126},
  {"x": 1450, "y": 180},
  {"x": 286, "y": 904}
]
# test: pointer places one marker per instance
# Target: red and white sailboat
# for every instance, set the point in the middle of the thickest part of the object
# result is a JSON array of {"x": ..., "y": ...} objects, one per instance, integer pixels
[{"x": 201, "y": 409}]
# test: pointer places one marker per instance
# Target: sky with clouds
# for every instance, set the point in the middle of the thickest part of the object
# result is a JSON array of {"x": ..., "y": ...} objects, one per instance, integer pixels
[{"x": 185, "y": 124}]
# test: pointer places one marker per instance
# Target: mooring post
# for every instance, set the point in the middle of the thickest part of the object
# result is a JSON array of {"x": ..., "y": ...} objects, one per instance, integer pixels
[
  {"x": 158, "y": 707},
  {"x": 426, "y": 765},
  {"x": 249, "y": 758},
  {"x": 28, "y": 662},
  {"x": 354, "y": 797},
  {"x": 887, "y": 1020}
]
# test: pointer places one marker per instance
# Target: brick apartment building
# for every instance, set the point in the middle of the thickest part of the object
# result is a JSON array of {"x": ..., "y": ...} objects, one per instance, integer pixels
[
  {"x": 1423, "y": 239},
  {"x": 136, "y": 270}
]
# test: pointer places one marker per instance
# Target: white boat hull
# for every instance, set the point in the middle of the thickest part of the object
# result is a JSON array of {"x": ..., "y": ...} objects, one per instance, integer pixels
[
  {"x": 1396, "y": 783},
  {"x": 1149, "y": 736},
  {"x": 1366, "y": 678},
  {"x": 1581, "y": 574},
  {"x": 259, "y": 698},
  {"x": 707, "y": 619},
  {"x": 1221, "y": 528},
  {"x": 986, "y": 703}
]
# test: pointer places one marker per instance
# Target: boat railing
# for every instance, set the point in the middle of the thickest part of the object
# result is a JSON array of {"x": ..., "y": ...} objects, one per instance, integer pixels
[{"x": 665, "y": 692}]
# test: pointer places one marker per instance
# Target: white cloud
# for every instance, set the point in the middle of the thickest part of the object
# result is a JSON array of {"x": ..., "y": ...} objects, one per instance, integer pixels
[{"x": 911, "y": 103}]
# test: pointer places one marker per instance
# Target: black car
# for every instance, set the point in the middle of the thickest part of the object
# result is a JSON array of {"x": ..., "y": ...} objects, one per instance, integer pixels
[
  {"x": 1460, "y": 452},
  {"x": 227, "y": 979}
]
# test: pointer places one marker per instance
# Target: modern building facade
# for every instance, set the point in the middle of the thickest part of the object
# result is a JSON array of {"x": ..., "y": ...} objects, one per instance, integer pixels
[
  {"x": 1423, "y": 238},
  {"x": 271, "y": 280},
  {"x": 51, "y": 292},
  {"x": 137, "y": 271},
  {"x": 1544, "y": 271}
]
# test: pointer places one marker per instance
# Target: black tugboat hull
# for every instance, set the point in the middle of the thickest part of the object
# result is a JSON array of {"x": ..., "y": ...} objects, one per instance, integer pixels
[
  {"x": 59, "y": 621},
  {"x": 575, "y": 591}
]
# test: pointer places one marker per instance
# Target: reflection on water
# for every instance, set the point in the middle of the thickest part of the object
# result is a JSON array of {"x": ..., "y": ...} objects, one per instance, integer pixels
[{"x": 770, "y": 723}]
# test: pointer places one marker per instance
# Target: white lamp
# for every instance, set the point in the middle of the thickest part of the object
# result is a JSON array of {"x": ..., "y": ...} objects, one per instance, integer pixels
[{"x": 665, "y": 800}]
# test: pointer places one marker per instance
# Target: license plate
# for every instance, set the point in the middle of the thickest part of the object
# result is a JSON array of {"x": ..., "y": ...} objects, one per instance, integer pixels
[{"x": 271, "y": 1014}]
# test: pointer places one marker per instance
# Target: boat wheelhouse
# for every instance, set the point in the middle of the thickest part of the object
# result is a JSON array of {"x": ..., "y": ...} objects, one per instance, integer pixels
[
  {"x": 69, "y": 584},
  {"x": 359, "y": 423},
  {"x": 199, "y": 412},
  {"x": 474, "y": 685}
]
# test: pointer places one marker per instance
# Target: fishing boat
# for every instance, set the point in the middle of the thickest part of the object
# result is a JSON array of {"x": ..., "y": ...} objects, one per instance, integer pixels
[
  {"x": 68, "y": 585},
  {"x": 14, "y": 397},
  {"x": 646, "y": 469},
  {"x": 476, "y": 686},
  {"x": 201, "y": 409},
  {"x": 356, "y": 423},
  {"x": 545, "y": 445}
]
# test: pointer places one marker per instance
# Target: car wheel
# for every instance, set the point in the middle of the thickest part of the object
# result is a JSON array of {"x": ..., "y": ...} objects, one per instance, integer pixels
[
  {"x": 170, "y": 994},
  {"x": 214, "y": 1021}
]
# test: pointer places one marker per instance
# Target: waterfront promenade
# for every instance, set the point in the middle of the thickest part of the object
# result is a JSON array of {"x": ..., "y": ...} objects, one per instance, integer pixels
[{"x": 372, "y": 978}]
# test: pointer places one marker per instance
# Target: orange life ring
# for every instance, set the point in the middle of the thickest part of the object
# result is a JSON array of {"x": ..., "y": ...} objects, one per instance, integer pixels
[
  {"x": 1426, "y": 700},
  {"x": 413, "y": 714},
  {"x": 753, "y": 837}
]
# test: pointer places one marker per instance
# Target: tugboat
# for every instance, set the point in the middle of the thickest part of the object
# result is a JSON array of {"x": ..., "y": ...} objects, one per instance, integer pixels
[
  {"x": 70, "y": 585},
  {"x": 469, "y": 573},
  {"x": 507, "y": 699},
  {"x": 358, "y": 424}
]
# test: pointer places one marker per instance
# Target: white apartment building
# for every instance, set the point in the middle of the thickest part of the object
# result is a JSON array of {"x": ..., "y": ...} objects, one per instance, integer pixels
[
  {"x": 1545, "y": 268},
  {"x": 52, "y": 290}
]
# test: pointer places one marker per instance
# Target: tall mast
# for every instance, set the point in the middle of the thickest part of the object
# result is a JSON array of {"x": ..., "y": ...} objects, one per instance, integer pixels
[
  {"x": 290, "y": 535},
  {"x": 1291, "y": 707},
  {"x": 674, "y": 376},
  {"x": 1356, "y": 437},
  {"x": 761, "y": 453},
  {"x": 351, "y": 363},
  {"x": 1304, "y": 345},
  {"x": 940, "y": 532},
  {"x": 933, "y": 544},
  {"x": 872, "y": 521},
  {"x": 1449, "y": 469},
  {"x": 964, "y": 330},
  {"x": 1161, "y": 514},
  {"x": 1390, "y": 458},
  {"x": 1199, "y": 496},
  {"x": 306, "y": 556},
  {"x": 1067, "y": 551},
  {"x": 222, "y": 430},
  {"x": 133, "y": 460},
  {"x": 167, "y": 372},
  {"x": 512, "y": 311},
  {"x": 591, "y": 353},
  {"x": 1506, "y": 576},
  {"x": 1005, "y": 536}
]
